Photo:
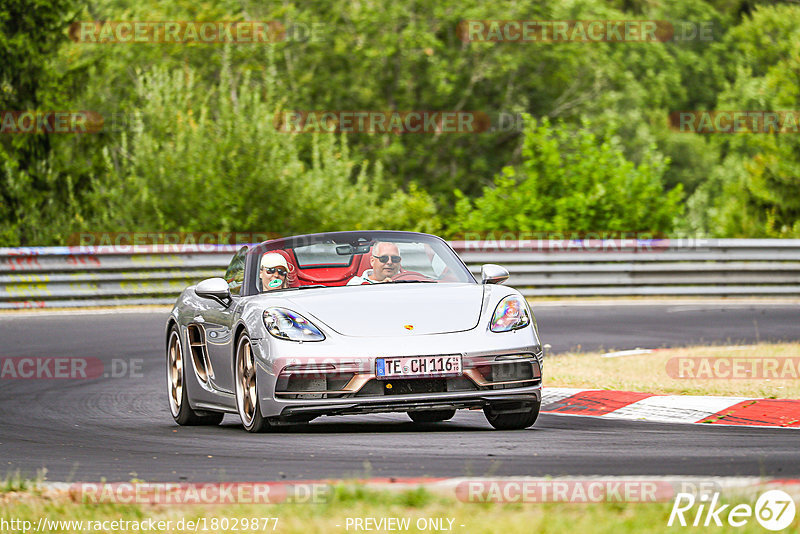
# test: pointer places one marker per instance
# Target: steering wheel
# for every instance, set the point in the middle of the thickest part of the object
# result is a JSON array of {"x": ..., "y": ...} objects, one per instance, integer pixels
[{"x": 410, "y": 276}]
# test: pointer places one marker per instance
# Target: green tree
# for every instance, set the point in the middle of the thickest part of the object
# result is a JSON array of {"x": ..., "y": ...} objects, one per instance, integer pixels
[
  {"x": 210, "y": 158},
  {"x": 754, "y": 191},
  {"x": 383, "y": 56},
  {"x": 35, "y": 192},
  {"x": 573, "y": 180}
]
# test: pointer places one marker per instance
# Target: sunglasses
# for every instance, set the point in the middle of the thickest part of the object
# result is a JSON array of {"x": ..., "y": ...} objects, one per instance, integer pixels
[
  {"x": 271, "y": 270},
  {"x": 385, "y": 259}
]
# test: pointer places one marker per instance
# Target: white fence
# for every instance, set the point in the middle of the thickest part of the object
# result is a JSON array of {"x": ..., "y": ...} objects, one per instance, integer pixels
[{"x": 43, "y": 277}]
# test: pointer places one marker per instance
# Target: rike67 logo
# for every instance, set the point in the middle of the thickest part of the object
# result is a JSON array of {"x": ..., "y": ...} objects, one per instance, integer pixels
[{"x": 774, "y": 510}]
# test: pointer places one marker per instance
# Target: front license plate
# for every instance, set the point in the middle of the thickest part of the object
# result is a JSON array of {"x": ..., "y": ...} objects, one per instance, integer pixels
[{"x": 416, "y": 366}]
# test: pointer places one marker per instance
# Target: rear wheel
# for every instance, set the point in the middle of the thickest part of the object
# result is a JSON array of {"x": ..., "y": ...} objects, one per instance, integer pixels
[
  {"x": 176, "y": 387},
  {"x": 513, "y": 420},
  {"x": 247, "y": 388},
  {"x": 431, "y": 416}
]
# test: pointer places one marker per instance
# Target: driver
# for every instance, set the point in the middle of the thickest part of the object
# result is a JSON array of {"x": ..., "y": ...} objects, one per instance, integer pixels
[
  {"x": 273, "y": 272},
  {"x": 385, "y": 263}
]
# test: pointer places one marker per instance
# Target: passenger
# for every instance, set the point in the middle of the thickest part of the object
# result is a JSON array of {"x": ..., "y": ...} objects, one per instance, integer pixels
[
  {"x": 385, "y": 263},
  {"x": 274, "y": 272}
]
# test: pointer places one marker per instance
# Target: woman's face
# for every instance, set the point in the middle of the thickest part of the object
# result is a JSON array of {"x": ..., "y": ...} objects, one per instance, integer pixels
[{"x": 273, "y": 278}]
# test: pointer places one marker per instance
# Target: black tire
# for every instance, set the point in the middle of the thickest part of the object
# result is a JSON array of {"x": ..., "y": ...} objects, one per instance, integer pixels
[
  {"x": 513, "y": 420},
  {"x": 431, "y": 416},
  {"x": 247, "y": 403},
  {"x": 177, "y": 395}
]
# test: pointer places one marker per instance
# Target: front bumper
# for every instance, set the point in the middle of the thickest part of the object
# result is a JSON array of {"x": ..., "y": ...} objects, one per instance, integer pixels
[
  {"x": 501, "y": 401},
  {"x": 357, "y": 390}
]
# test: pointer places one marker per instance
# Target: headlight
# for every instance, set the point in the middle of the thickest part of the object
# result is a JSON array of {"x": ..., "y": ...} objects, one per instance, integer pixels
[
  {"x": 511, "y": 314},
  {"x": 286, "y": 324}
]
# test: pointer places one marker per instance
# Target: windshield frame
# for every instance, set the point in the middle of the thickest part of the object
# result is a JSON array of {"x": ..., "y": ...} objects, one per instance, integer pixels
[{"x": 254, "y": 254}]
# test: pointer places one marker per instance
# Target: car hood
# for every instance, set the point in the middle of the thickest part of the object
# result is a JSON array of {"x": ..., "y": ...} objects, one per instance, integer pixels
[{"x": 393, "y": 309}]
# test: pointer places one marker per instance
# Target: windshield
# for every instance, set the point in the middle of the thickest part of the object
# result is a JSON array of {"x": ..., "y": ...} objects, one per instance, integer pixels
[{"x": 358, "y": 258}]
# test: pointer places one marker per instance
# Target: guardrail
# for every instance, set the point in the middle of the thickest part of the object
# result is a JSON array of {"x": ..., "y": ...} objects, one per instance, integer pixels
[{"x": 43, "y": 277}]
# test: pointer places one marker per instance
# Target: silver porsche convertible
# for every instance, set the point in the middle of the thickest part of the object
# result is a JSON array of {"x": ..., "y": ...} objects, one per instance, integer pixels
[{"x": 350, "y": 323}]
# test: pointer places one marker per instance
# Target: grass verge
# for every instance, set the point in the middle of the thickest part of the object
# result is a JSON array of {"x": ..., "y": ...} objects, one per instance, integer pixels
[
  {"x": 658, "y": 371},
  {"x": 423, "y": 511}
]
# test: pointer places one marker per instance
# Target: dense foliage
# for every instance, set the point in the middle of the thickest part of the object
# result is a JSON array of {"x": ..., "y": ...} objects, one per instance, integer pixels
[
  {"x": 573, "y": 181},
  {"x": 190, "y": 144}
]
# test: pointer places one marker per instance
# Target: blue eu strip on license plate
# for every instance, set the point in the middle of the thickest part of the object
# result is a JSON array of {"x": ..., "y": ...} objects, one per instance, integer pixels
[{"x": 381, "y": 368}]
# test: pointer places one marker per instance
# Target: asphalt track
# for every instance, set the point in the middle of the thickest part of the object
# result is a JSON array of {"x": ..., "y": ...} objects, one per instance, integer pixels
[{"x": 120, "y": 428}]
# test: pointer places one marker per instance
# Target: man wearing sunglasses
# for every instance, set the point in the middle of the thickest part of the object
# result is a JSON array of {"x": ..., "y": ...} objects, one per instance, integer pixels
[
  {"x": 273, "y": 271},
  {"x": 385, "y": 263}
]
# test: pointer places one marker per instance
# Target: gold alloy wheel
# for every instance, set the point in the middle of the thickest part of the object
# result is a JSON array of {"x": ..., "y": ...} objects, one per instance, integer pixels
[
  {"x": 246, "y": 393},
  {"x": 175, "y": 373}
]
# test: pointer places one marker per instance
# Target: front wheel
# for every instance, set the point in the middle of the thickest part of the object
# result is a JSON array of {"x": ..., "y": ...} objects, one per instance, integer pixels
[
  {"x": 176, "y": 387},
  {"x": 516, "y": 420},
  {"x": 431, "y": 416},
  {"x": 247, "y": 388}
]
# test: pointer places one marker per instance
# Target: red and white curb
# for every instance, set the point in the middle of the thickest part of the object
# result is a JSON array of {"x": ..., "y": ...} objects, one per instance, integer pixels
[{"x": 740, "y": 411}]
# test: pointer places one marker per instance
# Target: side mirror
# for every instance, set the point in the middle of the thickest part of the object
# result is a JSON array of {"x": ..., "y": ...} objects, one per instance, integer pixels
[
  {"x": 214, "y": 288},
  {"x": 493, "y": 274}
]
